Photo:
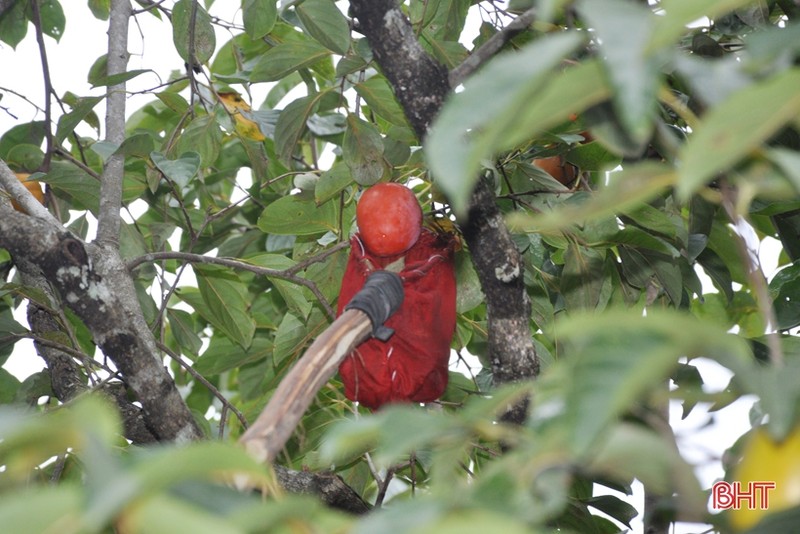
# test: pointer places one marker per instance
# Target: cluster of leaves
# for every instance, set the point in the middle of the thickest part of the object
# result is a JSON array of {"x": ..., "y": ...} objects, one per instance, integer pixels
[{"x": 699, "y": 124}]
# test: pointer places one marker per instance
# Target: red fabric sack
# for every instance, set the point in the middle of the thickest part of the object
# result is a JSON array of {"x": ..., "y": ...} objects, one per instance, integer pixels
[{"x": 412, "y": 365}]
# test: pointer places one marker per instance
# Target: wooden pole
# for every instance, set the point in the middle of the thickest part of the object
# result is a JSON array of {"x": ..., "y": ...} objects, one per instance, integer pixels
[{"x": 380, "y": 297}]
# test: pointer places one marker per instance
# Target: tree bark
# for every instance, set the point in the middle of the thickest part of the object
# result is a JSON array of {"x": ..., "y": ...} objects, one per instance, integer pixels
[
  {"x": 421, "y": 86},
  {"x": 96, "y": 286},
  {"x": 328, "y": 486}
]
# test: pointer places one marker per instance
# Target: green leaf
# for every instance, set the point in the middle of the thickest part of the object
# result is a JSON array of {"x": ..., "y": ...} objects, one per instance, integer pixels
[
  {"x": 282, "y": 60},
  {"x": 332, "y": 182},
  {"x": 182, "y": 328},
  {"x": 53, "y": 19},
  {"x": 180, "y": 170},
  {"x": 161, "y": 512},
  {"x": 14, "y": 24},
  {"x": 118, "y": 78},
  {"x": 582, "y": 278},
  {"x": 784, "y": 289},
  {"x": 89, "y": 422},
  {"x": 614, "y": 507},
  {"x": 379, "y": 96},
  {"x": 778, "y": 390},
  {"x": 69, "y": 181},
  {"x": 623, "y": 29},
  {"x": 292, "y": 215},
  {"x": 448, "y": 53},
  {"x": 634, "y": 451},
  {"x": 226, "y": 300},
  {"x": 678, "y": 14},
  {"x": 592, "y": 157},
  {"x": 259, "y": 17},
  {"x": 25, "y": 157},
  {"x": 31, "y": 133},
  {"x": 138, "y": 145},
  {"x": 291, "y": 292},
  {"x": 200, "y": 39},
  {"x": 324, "y": 22},
  {"x": 363, "y": 151},
  {"x": 442, "y": 19},
  {"x": 68, "y": 122},
  {"x": 157, "y": 469},
  {"x": 625, "y": 190},
  {"x": 650, "y": 218},
  {"x": 289, "y": 338},
  {"x": 636, "y": 237},
  {"x": 100, "y": 8},
  {"x": 173, "y": 101},
  {"x": 619, "y": 357},
  {"x": 8, "y": 386},
  {"x": 511, "y": 99},
  {"x": 203, "y": 136},
  {"x": 11, "y": 326},
  {"x": 292, "y": 124},
  {"x": 736, "y": 127},
  {"x": 717, "y": 270},
  {"x": 468, "y": 288},
  {"x": 223, "y": 355},
  {"x": 40, "y": 508}
]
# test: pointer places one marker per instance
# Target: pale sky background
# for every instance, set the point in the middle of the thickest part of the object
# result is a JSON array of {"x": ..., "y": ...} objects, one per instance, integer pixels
[{"x": 151, "y": 47}]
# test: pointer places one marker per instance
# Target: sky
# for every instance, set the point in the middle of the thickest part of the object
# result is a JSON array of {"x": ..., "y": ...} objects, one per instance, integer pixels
[{"x": 702, "y": 440}]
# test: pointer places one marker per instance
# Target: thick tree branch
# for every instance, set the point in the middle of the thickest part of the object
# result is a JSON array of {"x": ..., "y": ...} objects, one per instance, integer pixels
[
  {"x": 96, "y": 286},
  {"x": 419, "y": 82},
  {"x": 108, "y": 220},
  {"x": 66, "y": 377},
  {"x": 421, "y": 86},
  {"x": 327, "y": 486}
]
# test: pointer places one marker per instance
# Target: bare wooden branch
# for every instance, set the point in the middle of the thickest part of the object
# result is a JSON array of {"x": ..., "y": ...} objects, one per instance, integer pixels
[{"x": 268, "y": 434}]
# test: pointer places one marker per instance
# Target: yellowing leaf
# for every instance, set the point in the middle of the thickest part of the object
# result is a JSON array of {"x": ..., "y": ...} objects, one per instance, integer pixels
[{"x": 237, "y": 107}]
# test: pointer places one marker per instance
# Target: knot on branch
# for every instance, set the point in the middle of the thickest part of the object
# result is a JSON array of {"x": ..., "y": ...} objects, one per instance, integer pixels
[{"x": 73, "y": 251}]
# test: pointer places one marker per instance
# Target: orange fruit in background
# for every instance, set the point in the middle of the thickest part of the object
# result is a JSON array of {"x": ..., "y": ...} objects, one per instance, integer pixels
[
  {"x": 389, "y": 219},
  {"x": 558, "y": 168},
  {"x": 33, "y": 186}
]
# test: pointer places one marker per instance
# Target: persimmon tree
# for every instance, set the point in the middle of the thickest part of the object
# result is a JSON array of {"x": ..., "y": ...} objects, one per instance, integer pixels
[{"x": 610, "y": 166}]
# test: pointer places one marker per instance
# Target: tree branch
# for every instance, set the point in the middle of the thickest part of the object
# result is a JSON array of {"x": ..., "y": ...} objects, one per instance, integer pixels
[
  {"x": 238, "y": 264},
  {"x": 327, "y": 486},
  {"x": 108, "y": 220},
  {"x": 491, "y": 47},
  {"x": 94, "y": 283},
  {"x": 9, "y": 182},
  {"x": 419, "y": 82},
  {"x": 421, "y": 85}
]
